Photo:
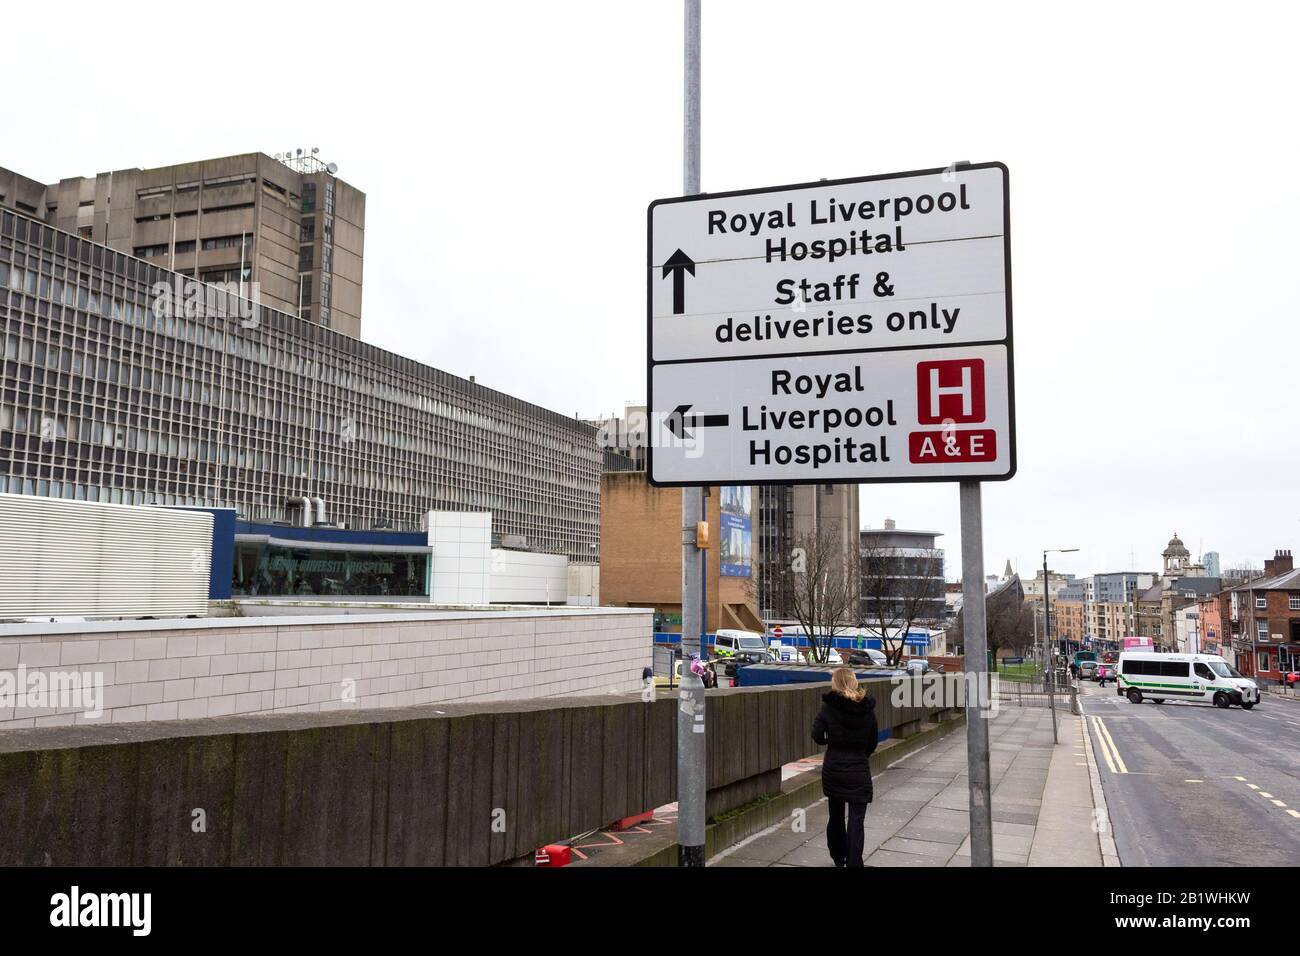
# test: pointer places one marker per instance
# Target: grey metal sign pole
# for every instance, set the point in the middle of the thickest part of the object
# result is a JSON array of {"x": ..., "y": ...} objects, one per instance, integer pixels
[
  {"x": 975, "y": 642},
  {"x": 1049, "y": 676},
  {"x": 690, "y": 711}
]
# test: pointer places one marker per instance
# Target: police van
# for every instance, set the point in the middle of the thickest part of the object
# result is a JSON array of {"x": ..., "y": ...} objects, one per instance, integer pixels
[{"x": 1201, "y": 677}]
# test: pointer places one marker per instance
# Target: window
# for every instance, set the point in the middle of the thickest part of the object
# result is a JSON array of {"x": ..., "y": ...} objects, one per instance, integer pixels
[
  {"x": 1293, "y": 602},
  {"x": 1261, "y": 661},
  {"x": 1261, "y": 601},
  {"x": 1149, "y": 668},
  {"x": 227, "y": 242},
  {"x": 1203, "y": 672},
  {"x": 1261, "y": 629}
]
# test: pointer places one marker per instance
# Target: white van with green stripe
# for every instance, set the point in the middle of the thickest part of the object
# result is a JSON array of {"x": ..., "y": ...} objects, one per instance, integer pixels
[{"x": 1203, "y": 677}]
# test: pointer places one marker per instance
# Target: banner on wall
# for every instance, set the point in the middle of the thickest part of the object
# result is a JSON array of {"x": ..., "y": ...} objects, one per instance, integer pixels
[{"x": 736, "y": 536}]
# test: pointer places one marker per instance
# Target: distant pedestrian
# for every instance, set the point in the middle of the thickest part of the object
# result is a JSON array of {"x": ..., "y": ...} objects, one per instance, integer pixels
[
  {"x": 847, "y": 727},
  {"x": 1074, "y": 670}
]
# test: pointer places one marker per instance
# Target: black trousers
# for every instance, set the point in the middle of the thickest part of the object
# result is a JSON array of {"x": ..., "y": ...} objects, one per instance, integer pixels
[{"x": 845, "y": 845}]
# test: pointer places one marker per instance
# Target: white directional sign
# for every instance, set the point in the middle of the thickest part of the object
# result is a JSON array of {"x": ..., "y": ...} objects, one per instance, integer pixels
[{"x": 848, "y": 331}]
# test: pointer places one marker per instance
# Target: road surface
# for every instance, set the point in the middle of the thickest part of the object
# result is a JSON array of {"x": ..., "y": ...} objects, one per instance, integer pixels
[{"x": 1188, "y": 784}]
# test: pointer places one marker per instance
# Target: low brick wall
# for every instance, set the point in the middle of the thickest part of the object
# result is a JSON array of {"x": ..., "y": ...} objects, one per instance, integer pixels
[
  {"x": 184, "y": 669},
  {"x": 452, "y": 784}
]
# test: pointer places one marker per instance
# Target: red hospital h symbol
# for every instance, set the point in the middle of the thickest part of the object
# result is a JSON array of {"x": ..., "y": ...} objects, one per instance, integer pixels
[{"x": 950, "y": 391}]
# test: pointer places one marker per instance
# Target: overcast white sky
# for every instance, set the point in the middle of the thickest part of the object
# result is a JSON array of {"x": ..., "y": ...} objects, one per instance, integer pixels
[{"x": 508, "y": 152}]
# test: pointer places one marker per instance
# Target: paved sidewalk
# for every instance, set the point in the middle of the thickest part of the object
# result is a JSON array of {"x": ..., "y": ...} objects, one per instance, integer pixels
[{"x": 1042, "y": 804}]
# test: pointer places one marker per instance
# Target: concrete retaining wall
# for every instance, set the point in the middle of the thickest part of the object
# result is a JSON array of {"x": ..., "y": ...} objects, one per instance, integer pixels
[
  {"x": 456, "y": 784},
  {"x": 185, "y": 669}
]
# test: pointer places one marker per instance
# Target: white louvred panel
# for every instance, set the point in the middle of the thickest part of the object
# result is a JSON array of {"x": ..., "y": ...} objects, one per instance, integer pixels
[{"x": 76, "y": 558}]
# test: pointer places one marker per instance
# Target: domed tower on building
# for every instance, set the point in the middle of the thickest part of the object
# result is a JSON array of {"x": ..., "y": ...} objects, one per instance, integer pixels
[{"x": 1176, "y": 557}]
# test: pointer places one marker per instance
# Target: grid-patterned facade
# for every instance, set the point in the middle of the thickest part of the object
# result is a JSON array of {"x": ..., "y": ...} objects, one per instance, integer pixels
[
  {"x": 773, "y": 542},
  {"x": 106, "y": 395}
]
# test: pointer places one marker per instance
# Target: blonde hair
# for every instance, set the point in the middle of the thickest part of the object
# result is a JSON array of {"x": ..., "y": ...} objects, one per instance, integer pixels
[{"x": 845, "y": 683}]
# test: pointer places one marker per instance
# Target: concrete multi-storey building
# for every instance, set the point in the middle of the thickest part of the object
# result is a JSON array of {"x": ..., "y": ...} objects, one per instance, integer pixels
[
  {"x": 284, "y": 228},
  {"x": 1069, "y": 614},
  {"x": 1211, "y": 561},
  {"x": 1112, "y": 597},
  {"x": 1034, "y": 586},
  {"x": 119, "y": 384},
  {"x": 901, "y": 569},
  {"x": 788, "y": 514}
]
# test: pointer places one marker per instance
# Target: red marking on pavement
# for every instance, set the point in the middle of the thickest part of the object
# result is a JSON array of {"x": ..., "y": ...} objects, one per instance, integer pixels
[{"x": 614, "y": 841}]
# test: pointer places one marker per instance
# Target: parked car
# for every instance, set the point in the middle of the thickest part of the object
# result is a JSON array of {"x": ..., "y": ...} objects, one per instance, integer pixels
[
  {"x": 1087, "y": 669},
  {"x": 917, "y": 665},
  {"x": 786, "y": 652},
  {"x": 868, "y": 657}
]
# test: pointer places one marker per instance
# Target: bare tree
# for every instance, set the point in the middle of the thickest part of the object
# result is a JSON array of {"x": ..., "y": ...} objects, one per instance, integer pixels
[
  {"x": 1008, "y": 621},
  {"x": 1011, "y": 626},
  {"x": 899, "y": 589},
  {"x": 819, "y": 581}
]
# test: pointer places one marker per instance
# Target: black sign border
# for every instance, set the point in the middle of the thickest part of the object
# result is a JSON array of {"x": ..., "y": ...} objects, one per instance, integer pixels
[{"x": 1007, "y": 340}]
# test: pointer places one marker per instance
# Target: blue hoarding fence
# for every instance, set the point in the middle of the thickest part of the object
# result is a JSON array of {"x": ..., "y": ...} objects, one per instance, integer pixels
[{"x": 841, "y": 642}]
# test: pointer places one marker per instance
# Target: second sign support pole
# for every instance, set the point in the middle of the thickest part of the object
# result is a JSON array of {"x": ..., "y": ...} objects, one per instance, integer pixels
[
  {"x": 691, "y": 783},
  {"x": 978, "y": 688}
]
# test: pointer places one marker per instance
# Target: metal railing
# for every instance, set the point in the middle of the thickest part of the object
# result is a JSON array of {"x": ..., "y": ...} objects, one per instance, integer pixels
[{"x": 1036, "y": 690}]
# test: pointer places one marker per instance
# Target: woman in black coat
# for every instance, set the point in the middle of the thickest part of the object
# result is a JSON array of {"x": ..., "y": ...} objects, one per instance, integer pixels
[{"x": 846, "y": 726}]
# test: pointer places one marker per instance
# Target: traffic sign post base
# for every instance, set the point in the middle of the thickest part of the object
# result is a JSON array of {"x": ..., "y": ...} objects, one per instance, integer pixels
[{"x": 975, "y": 645}]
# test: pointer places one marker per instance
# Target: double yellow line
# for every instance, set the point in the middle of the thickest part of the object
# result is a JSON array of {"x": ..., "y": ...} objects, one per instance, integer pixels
[{"x": 1108, "y": 748}]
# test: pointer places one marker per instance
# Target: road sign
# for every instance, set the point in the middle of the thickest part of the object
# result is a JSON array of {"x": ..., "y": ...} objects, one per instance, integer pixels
[
  {"x": 777, "y": 632},
  {"x": 848, "y": 331}
]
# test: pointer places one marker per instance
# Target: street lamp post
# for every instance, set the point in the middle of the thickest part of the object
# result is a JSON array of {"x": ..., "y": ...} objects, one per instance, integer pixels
[{"x": 1047, "y": 637}]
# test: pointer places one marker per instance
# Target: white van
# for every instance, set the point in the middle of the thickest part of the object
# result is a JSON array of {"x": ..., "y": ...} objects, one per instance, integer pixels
[
  {"x": 1203, "y": 677},
  {"x": 730, "y": 643}
]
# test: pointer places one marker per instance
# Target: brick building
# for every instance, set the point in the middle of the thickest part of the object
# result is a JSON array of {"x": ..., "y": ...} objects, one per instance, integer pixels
[
  {"x": 1067, "y": 619},
  {"x": 1214, "y": 637},
  {"x": 1264, "y": 617},
  {"x": 641, "y": 554},
  {"x": 1148, "y": 619}
]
